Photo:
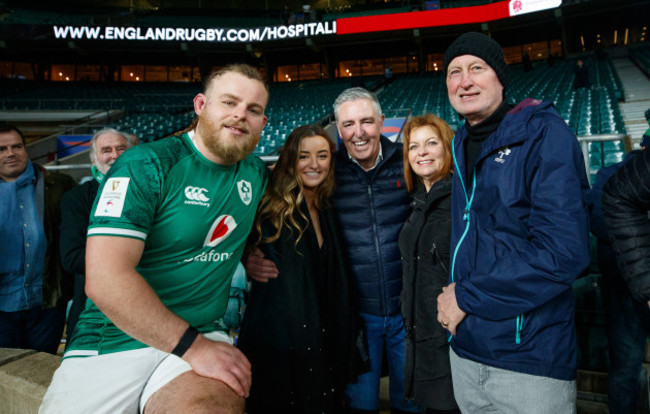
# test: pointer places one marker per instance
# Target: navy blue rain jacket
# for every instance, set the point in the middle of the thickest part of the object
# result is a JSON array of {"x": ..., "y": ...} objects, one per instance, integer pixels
[
  {"x": 372, "y": 208},
  {"x": 519, "y": 240}
]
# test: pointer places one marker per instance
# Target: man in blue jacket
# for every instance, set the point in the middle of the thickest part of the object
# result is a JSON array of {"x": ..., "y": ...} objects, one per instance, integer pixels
[
  {"x": 372, "y": 205},
  {"x": 519, "y": 240}
]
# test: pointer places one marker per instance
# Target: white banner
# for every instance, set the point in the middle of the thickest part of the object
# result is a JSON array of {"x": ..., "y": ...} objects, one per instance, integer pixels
[{"x": 528, "y": 6}]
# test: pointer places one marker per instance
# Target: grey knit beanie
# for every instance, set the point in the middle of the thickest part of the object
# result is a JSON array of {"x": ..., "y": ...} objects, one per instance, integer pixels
[{"x": 480, "y": 45}]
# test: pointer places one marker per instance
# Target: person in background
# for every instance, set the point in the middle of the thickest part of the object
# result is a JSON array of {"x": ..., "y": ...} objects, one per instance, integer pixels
[
  {"x": 106, "y": 146},
  {"x": 424, "y": 245},
  {"x": 627, "y": 319},
  {"x": 645, "y": 140},
  {"x": 34, "y": 290},
  {"x": 300, "y": 331},
  {"x": 581, "y": 79},
  {"x": 519, "y": 239}
]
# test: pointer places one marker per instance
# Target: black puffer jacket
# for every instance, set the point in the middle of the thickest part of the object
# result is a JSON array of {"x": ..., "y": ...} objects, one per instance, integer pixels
[
  {"x": 424, "y": 243},
  {"x": 372, "y": 207},
  {"x": 626, "y": 201}
]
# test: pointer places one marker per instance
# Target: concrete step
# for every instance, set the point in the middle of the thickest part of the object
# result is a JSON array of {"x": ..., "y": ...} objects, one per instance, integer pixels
[{"x": 24, "y": 378}]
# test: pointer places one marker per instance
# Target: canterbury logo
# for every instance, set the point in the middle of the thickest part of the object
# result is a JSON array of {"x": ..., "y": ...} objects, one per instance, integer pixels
[{"x": 196, "y": 194}]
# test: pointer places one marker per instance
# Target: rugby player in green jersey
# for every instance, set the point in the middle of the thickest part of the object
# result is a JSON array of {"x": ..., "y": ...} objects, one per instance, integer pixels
[{"x": 167, "y": 230}]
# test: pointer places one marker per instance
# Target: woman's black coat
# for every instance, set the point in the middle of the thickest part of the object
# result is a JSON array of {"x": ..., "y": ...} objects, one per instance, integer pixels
[
  {"x": 301, "y": 331},
  {"x": 424, "y": 244}
]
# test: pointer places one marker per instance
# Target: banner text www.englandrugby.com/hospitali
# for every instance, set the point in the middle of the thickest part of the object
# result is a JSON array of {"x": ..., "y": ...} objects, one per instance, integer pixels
[{"x": 258, "y": 34}]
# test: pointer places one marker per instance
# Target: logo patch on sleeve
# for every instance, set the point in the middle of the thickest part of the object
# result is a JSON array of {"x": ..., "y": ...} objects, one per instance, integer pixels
[{"x": 111, "y": 201}]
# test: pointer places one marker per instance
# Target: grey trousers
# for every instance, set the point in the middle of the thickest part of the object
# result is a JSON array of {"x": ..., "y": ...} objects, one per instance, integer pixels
[{"x": 480, "y": 388}]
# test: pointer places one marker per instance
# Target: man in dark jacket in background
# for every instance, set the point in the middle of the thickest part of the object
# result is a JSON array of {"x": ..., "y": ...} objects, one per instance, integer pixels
[
  {"x": 519, "y": 240},
  {"x": 33, "y": 288},
  {"x": 626, "y": 329},
  {"x": 372, "y": 205},
  {"x": 625, "y": 205},
  {"x": 106, "y": 146}
]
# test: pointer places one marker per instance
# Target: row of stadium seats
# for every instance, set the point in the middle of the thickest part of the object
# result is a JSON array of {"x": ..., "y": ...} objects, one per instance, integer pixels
[
  {"x": 641, "y": 56},
  {"x": 155, "y": 110}
]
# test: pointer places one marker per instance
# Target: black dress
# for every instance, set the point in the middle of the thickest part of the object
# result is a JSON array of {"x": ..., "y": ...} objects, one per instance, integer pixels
[
  {"x": 424, "y": 244},
  {"x": 300, "y": 331}
]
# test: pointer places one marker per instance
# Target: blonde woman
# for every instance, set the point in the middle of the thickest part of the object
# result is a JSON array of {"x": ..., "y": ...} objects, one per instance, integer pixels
[{"x": 300, "y": 329}]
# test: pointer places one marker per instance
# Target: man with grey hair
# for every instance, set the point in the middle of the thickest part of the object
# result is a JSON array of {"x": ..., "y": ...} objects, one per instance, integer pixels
[
  {"x": 372, "y": 205},
  {"x": 106, "y": 146}
]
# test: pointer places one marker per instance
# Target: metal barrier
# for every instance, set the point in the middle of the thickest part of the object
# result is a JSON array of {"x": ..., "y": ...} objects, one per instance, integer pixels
[{"x": 585, "y": 140}]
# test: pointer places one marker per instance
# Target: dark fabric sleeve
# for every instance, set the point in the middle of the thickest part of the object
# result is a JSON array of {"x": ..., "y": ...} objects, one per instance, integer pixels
[
  {"x": 75, "y": 211},
  {"x": 626, "y": 201}
]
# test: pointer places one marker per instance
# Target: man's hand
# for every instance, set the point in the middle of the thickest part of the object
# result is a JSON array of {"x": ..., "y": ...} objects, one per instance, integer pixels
[
  {"x": 220, "y": 361},
  {"x": 449, "y": 314},
  {"x": 258, "y": 268}
]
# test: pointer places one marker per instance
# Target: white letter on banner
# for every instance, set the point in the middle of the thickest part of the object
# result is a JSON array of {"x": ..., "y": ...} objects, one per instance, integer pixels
[
  {"x": 180, "y": 33},
  {"x": 300, "y": 28},
  {"x": 119, "y": 33},
  {"x": 242, "y": 35},
  {"x": 231, "y": 35},
  {"x": 60, "y": 32},
  {"x": 160, "y": 33},
  {"x": 254, "y": 35},
  {"x": 273, "y": 32},
  {"x": 169, "y": 33},
  {"x": 219, "y": 33},
  {"x": 282, "y": 32}
]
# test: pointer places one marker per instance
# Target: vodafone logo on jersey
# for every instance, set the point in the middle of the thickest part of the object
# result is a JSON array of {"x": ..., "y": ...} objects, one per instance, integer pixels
[{"x": 220, "y": 230}]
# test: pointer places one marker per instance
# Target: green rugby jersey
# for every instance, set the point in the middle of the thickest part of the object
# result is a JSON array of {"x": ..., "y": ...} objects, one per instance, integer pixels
[{"x": 194, "y": 217}]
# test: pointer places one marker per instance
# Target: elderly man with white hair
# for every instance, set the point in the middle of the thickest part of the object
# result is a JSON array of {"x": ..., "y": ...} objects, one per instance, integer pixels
[
  {"x": 520, "y": 237},
  {"x": 106, "y": 146}
]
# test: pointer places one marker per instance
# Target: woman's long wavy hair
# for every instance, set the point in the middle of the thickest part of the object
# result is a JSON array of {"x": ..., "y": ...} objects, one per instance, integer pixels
[{"x": 284, "y": 194}]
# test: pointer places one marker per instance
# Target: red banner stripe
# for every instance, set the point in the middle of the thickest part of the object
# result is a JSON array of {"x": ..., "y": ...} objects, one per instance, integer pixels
[{"x": 431, "y": 18}]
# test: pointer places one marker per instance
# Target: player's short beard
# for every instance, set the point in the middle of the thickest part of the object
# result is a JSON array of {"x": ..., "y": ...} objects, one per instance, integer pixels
[{"x": 229, "y": 152}]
